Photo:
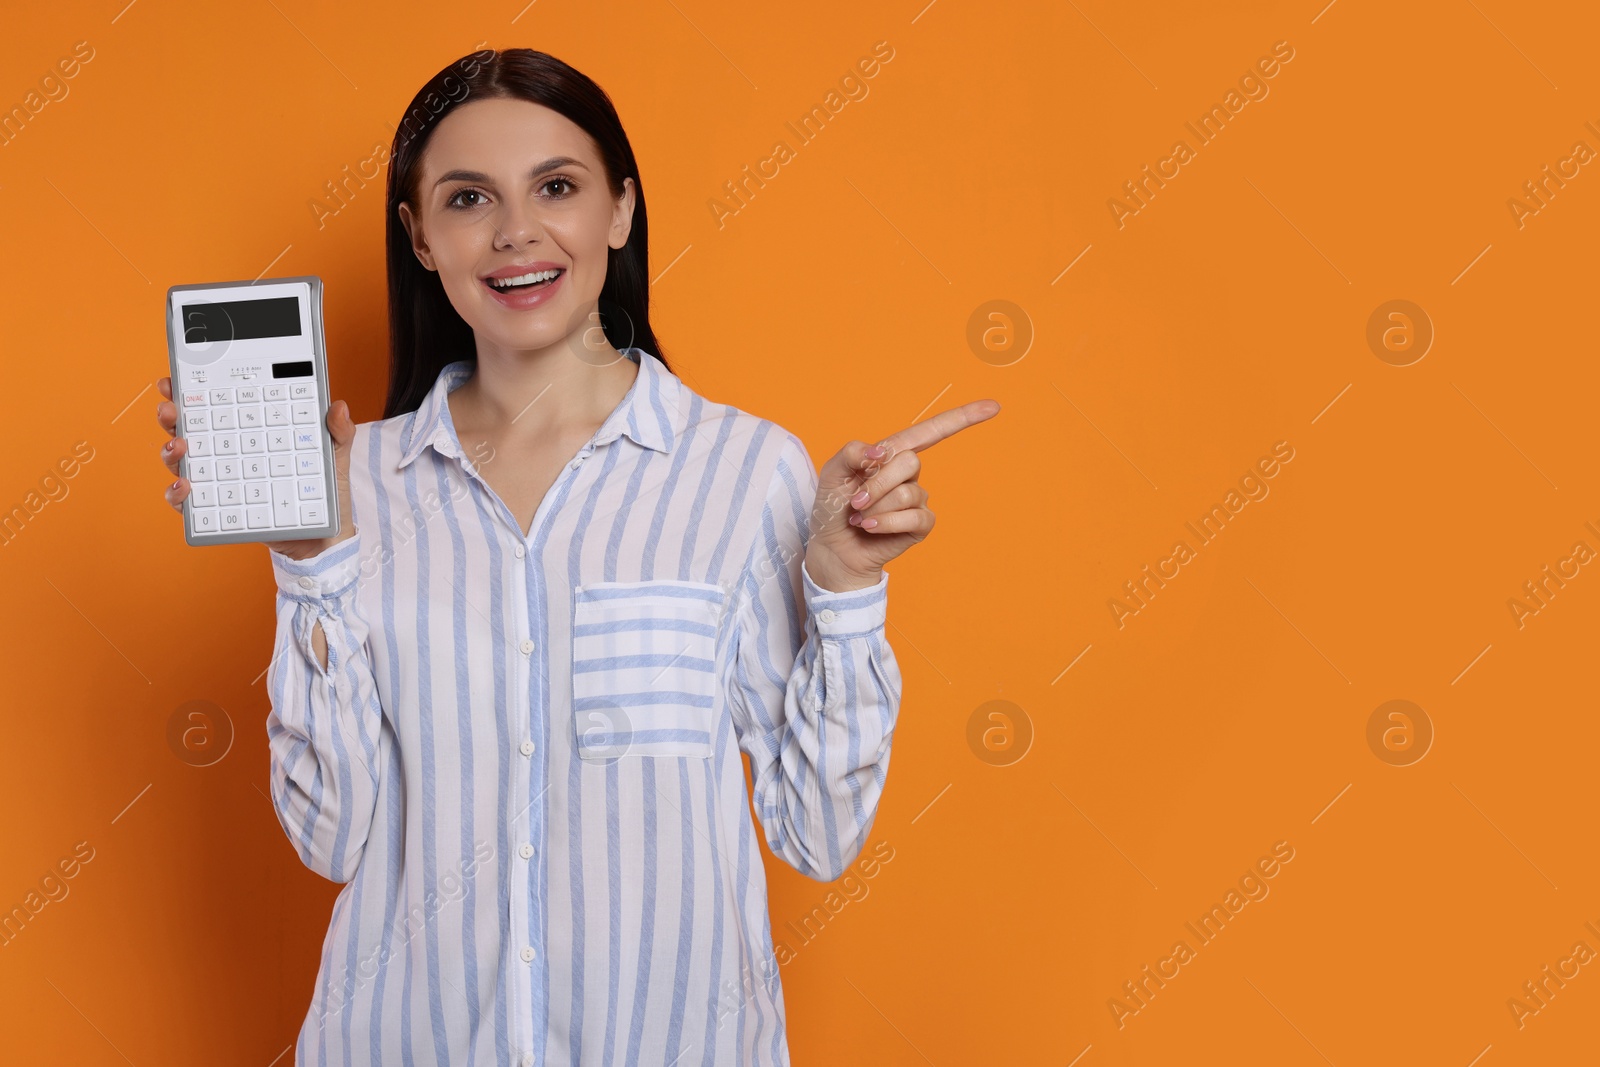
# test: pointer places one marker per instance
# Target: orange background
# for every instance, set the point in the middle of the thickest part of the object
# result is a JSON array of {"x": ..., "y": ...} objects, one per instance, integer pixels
[{"x": 1229, "y": 714}]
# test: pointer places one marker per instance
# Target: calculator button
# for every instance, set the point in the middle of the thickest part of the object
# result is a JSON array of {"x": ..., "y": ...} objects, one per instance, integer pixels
[
  {"x": 203, "y": 496},
  {"x": 200, "y": 470},
  {"x": 230, "y": 494},
  {"x": 308, "y": 463},
  {"x": 274, "y": 392},
  {"x": 283, "y": 503},
  {"x": 223, "y": 419},
  {"x": 194, "y": 398},
  {"x": 227, "y": 444},
  {"x": 277, "y": 414},
  {"x": 259, "y": 517},
  {"x": 304, "y": 411},
  {"x": 303, "y": 391},
  {"x": 254, "y": 441},
  {"x": 249, "y": 418},
  {"x": 222, "y": 396},
  {"x": 282, "y": 467},
  {"x": 196, "y": 420},
  {"x": 305, "y": 439},
  {"x": 206, "y": 521},
  {"x": 254, "y": 466},
  {"x": 256, "y": 493},
  {"x": 277, "y": 440},
  {"x": 232, "y": 518},
  {"x": 310, "y": 488},
  {"x": 250, "y": 394},
  {"x": 313, "y": 515},
  {"x": 227, "y": 469},
  {"x": 198, "y": 446}
]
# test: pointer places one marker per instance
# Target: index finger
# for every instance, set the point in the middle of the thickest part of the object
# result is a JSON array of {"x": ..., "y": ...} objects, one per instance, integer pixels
[{"x": 932, "y": 430}]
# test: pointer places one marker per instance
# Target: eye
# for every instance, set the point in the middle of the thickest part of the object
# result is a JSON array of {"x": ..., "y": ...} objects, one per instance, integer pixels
[
  {"x": 571, "y": 186},
  {"x": 455, "y": 198}
]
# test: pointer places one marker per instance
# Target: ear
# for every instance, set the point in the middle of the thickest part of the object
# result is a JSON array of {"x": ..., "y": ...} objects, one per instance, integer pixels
[
  {"x": 622, "y": 215},
  {"x": 419, "y": 243}
]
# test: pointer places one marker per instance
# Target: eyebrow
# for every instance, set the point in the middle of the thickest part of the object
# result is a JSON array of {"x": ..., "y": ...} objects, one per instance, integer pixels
[{"x": 553, "y": 163}]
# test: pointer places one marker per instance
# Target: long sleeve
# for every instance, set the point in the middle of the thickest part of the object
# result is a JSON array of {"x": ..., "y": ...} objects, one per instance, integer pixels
[
  {"x": 814, "y": 692},
  {"x": 324, "y": 725}
]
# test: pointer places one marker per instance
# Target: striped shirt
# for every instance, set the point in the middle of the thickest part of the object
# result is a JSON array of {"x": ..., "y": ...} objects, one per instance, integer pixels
[{"x": 523, "y": 755}]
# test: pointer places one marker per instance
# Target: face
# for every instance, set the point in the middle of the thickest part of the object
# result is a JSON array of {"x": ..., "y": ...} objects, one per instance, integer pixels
[{"x": 513, "y": 212}]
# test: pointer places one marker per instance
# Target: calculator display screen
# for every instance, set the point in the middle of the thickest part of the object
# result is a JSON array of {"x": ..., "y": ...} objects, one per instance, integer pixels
[
  {"x": 298, "y": 369},
  {"x": 241, "y": 320}
]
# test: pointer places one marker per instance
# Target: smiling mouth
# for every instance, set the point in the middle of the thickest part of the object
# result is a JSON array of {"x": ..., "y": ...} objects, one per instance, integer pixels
[{"x": 535, "y": 280}]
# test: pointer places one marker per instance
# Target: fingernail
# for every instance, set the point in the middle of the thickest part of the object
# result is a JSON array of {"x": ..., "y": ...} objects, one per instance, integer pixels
[
  {"x": 855, "y": 518},
  {"x": 877, "y": 451},
  {"x": 867, "y": 524},
  {"x": 167, "y": 447},
  {"x": 171, "y": 487},
  {"x": 861, "y": 498}
]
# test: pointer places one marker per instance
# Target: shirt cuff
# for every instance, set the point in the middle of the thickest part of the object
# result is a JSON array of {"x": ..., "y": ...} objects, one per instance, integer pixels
[
  {"x": 848, "y": 613},
  {"x": 329, "y": 574}
]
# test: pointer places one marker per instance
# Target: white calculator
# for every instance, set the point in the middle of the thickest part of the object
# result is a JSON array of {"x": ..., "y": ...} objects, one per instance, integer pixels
[{"x": 250, "y": 379}]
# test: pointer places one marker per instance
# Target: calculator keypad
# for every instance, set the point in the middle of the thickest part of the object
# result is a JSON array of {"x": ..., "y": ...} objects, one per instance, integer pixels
[{"x": 255, "y": 458}]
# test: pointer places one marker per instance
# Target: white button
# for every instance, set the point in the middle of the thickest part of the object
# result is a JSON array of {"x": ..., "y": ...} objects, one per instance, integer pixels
[
  {"x": 526, "y": 852},
  {"x": 308, "y": 583},
  {"x": 527, "y": 954},
  {"x": 520, "y": 551},
  {"x": 527, "y": 748},
  {"x": 527, "y": 648},
  {"x": 826, "y": 615}
]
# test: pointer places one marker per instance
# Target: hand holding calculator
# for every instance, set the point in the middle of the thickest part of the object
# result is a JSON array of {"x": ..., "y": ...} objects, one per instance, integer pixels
[{"x": 254, "y": 442}]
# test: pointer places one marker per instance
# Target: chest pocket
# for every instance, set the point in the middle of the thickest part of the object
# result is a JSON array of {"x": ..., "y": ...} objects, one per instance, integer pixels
[{"x": 644, "y": 679}]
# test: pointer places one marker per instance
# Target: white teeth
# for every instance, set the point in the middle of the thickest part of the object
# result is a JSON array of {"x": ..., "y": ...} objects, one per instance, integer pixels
[{"x": 523, "y": 279}]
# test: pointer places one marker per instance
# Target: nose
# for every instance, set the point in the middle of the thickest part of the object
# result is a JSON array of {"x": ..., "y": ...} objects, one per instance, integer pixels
[{"x": 516, "y": 224}]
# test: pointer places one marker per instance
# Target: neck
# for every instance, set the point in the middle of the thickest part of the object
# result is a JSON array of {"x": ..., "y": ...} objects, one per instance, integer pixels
[{"x": 541, "y": 393}]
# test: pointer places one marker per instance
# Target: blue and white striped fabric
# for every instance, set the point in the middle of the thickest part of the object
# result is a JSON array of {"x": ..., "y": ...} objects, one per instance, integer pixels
[{"x": 523, "y": 756}]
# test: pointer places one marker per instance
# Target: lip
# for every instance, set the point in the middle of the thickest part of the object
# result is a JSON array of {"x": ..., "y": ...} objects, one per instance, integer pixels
[{"x": 522, "y": 299}]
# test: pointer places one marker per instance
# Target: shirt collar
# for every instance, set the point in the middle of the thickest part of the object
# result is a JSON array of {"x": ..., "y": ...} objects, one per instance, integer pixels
[{"x": 650, "y": 414}]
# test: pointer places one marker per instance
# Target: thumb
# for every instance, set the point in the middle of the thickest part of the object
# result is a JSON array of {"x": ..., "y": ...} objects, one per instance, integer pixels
[
  {"x": 840, "y": 479},
  {"x": 849, "y": 468},
  {"x": 342, "y": 428},
  {"x": 340, "y": 425}
]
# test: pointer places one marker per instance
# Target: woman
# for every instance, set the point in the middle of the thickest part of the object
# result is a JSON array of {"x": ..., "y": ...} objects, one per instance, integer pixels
[{"x": 509, "y": 698}]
